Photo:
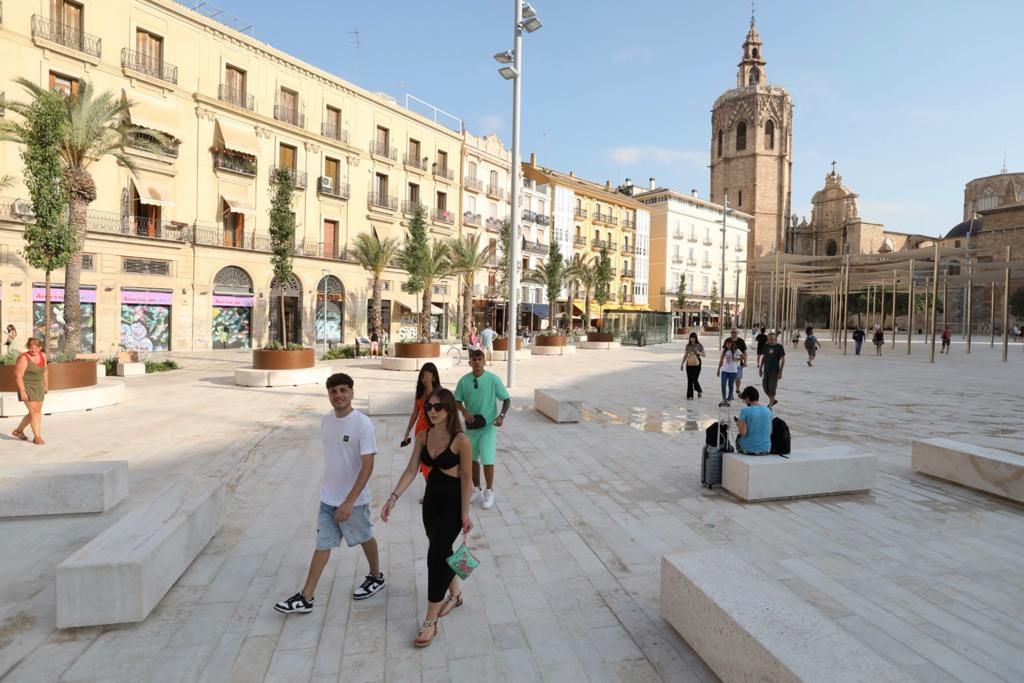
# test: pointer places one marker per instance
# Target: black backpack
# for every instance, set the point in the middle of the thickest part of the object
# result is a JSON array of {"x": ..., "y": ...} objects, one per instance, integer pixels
[
  {"x": 717, "y": 436},
  {"x": 780, "y": 437}
]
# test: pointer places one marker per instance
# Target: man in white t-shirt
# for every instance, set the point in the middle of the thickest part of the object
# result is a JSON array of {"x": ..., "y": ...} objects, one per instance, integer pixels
[{"x": 349, "y": 444}]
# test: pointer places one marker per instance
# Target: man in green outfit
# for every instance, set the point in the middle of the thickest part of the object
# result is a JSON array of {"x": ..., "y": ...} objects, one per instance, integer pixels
[{"x": 477, "y": 395}]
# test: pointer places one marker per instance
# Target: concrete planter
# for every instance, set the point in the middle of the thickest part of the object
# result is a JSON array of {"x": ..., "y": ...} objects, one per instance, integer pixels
[
  {"x": 550, "y": 340},
  {"x": 73, "y": 375},
  {"x": 600, "y": 337},
  {"x": 502, "y": 344},
  {"x": 263, "y": 359},
  {"x": 417, "y": 350}
]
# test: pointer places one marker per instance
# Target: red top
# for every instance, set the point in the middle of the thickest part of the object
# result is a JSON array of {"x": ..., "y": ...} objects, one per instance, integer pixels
[
  {"x": 421, "y": 417},
  {"x": 42, "y": 358}
]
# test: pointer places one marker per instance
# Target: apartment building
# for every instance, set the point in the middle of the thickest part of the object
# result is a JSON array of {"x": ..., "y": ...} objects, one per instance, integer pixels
[
  {"x": 686, "y": 239},
  {"x": 177, "y": 255},
  {"x": 535, "y": 242},
  {"x": 587, "y": 217}
]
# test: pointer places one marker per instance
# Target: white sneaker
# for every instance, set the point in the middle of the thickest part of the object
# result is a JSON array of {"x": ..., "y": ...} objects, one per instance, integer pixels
[
  {"x": 488, "y": 499},
  {"x": 477, "y": 494}
]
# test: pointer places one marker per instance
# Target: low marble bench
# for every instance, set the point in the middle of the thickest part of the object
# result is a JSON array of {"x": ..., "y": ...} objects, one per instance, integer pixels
[
  {"x": 986, "y": 469},
  {"x": 748, "y": 627},
  {"x": 121, "y": 575},
  {"x": 62, "y": 488},
  {"x": 131, "y": 369},
  {"x": 805, "y": 472},
  {"x": 559, "y": 406}
]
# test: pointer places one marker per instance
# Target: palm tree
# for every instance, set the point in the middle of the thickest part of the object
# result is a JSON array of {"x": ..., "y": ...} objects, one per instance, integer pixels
[
  {"x": 576, "y": 266},
  {"x": 374, "y": 255},
  {"x": 6, "y": 181},
  {"x": 587, "y": 277},
  {"x": 467, "y": 257},
  {"x": 436, "y": 264},
  {"x": 550, "y": 273},
  {"x": 98, "y": 127}
]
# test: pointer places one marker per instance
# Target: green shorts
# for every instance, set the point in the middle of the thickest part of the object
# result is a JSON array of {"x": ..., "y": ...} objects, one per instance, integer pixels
[{"x": 485, "y": 444}]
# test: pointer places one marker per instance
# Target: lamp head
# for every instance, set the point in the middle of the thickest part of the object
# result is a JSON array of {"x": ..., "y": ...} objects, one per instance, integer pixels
[
  {"x": 532, "y": 24},
  {"x": 503, "y": 57},
  {"x": 528, "y": 11},
  {"x": 508, "y": 72}
]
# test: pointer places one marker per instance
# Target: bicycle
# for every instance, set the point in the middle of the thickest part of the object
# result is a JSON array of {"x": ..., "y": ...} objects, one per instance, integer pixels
[{"x": 455, "y": 353}]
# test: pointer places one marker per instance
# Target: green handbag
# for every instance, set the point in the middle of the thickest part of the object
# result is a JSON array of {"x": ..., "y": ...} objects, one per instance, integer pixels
[{"x": 462, "y": 562}]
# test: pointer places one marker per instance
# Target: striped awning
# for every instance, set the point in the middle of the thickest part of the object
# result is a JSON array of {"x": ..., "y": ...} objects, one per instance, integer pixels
[
  {"x": 158, "y": 115},
  {"x": 154, "y": 190},
  {"x": 237, "y": 137}
]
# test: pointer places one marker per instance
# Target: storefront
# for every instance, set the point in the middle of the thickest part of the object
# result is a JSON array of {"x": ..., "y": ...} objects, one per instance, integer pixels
[
  {"x": 231, "y": 326},
  {"x": 330, "y": 310},
  {"x": 87, "y": 297},
  {"x": 146, "y": 319}
]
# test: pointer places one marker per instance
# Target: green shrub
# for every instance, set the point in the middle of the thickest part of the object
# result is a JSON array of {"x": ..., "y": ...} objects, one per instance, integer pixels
[
  {"x": 110, "y": 366},
  {"x": 159, "y": 365},
  {"x": 340, "y": 352},
  {"x": 278, "y": 346},
  {"x": 9, "y": 358}
]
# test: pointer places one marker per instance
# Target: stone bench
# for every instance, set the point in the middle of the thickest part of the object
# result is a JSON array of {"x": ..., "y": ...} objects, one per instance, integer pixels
[
  {"x": 986, "y": 469},
  {"x": 568, "y": 350},
  {"x": 806, "y": 472},
  {"x": 106, "y": 392},
  {"x": 747, "y": 627},
  {"x": 251, "y": 377},
  {"x": 414, "y": 364},
  {"x": 502, "y": 356},
  {"x": 62, "y": 488},
  {"x": 130, "y": 369},
  {"x": 559, "y": 406},
  {"x": 121, "y": 575}
]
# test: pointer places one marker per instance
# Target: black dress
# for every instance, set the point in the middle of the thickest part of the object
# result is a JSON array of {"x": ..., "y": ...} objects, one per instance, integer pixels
[{"x": 442, "y": 518}]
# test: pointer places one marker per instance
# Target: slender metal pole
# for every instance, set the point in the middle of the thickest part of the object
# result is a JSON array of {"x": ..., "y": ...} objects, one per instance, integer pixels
[
  {"x": 770, "y": 312},
  {"x": 945, "y": 299},
  {"x": 992, "y": 318},
  {"x": 323, "y": 306},
  {"x": 910, "y": 308},
  {"x": 1006, "y": 306},
  {"x": 737, "y": 323},
  {"x": 881, "y": 308},
  {"x": 513, "y": 252},
  {"x": 970, "y": 302},
  {"x": 935, "y": 299},
  {"x": 846, "y": 299},
  {"x": 723, "y": 300},
  {"x": 895, "y": 285},
  {"x": 927, "y": 289}
]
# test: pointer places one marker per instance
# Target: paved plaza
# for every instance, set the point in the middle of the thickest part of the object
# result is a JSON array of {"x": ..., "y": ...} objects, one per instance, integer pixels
[{"x": 927, "y": 574}]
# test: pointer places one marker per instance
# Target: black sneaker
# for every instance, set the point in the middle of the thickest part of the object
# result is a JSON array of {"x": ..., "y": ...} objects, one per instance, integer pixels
[
  {"x": 297, "y": 604},
  {"x": 372, "y": 585}
]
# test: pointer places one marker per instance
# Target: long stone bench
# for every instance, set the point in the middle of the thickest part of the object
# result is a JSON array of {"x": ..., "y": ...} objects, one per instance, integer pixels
[
  {"x": 568, "y": 350},
  {"x": 747, "y": 627},
  {"x": 106, "y": 392},
  {"x": 62, "y": 488},
  {"x": 251, "y": 377},
  {"x": 805, "y": 472},
  {"x": 559, "y": 406},
  {"x": 986, "y": 469},
  {"x": 121, "y": 575}
]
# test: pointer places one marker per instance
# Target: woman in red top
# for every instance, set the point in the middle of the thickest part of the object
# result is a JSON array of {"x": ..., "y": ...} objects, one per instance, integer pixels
[
  {"x": 428, "y": 381},
  {"x": 32, "y": 375}
]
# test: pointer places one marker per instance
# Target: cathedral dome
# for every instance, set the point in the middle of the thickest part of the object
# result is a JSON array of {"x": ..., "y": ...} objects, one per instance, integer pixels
[{"x": 973, "y": 226}]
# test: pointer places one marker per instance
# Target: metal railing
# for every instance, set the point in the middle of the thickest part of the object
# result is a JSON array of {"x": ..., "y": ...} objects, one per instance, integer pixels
[
  {"x": 68, "y": 36},
  {"x": 149, "y": 65},
  {"x": 580, "y": 213},
  {"x": 332, "y": 189},
  {"x": 628, "y": 272},
  {"x": 334, "y": 132},
  {"x": 443, "y": 216},
  {"x": 528, "y": 216},
  {"x": 415, "y": 162},
  {"x": 298, "y": 177},
  {"x": 311, "y": 249},
  {"x": 535, "y": 247},
  {"x": 409, "y": 207},
  {"x": 705, "y": 264},
  {"x": 707, "y": 241},
  {"x": 213, "y": 236},
  {"x": 692, "y": 238},
  {"x": 598, "y": 244},
  {"x": 580, "y": 240},
  {"x": 628, "y": 298},
  {"x": 679, "y": 235},
  {"x": 541, "y": 219},
  {"x": 235, "y": 163},
  {"x": 382, "y": 149},
  {"x": 382, "y": 201},
  {"x": 443, "y": 172},
  {"x": 628, "y": 248},
  {"x": 471, "y": 183},
  {"x": 677, "y": 259},
  {"x": 289, "y": 116},
  {"x": 738, "y": 247},
  {"x": 470, "y": 218},
  {"x": 628, "y": 224},
  {"x": 495, "y": 191},
  {"x": 670, "y": 291},
  {"x": 236, "y": 96},
  {"x": 691, "y": 261},
  {"x": 141, "y": 140},
  {"x": 494, "y": 224}
]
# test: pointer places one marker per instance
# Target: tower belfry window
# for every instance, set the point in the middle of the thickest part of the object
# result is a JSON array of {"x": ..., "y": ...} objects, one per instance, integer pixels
[
  {"x": 720, "y": 136},
  {"x": 769, "y": 135},
  {"x": 741, "y": 136},
  {"x": 755, "y": 73}
]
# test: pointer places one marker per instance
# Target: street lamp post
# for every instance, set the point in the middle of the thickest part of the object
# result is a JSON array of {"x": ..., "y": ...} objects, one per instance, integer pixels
[
  {"x": 323, "y": 306},
  {"x": 723, "y": 298}
]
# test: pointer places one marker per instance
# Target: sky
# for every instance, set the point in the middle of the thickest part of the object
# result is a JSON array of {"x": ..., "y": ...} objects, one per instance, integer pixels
[{"x": 911, "y": 98}]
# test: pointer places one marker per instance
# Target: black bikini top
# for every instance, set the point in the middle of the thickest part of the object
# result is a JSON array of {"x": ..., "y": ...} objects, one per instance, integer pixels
[{"x": 446, "y": 459}]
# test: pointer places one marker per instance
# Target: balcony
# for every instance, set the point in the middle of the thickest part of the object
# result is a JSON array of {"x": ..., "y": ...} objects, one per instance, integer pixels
[
  {"x": 496, "y": 191},
  {"x": 334, "y": 132},
  {"x": 235, "y": 163},
  {"x": 597, "y": 244},
  {"x": 215, "y": 236},
  {"x": 382, "y": 201},
  {"x": 670, "y": 291},
  {"x": 580, "y": 213},
  {"x": 541, "y": 219},
  {"x": 383, "y": 150},
  {"x": 443, "y": 216},
  {"x": 628, "y": 272},
  {"x": 493, "y": 224},
  {"x": 149, "y": 65},
  {"x": 470, "y": 218},
  {"x": 627, "y": 298},
  {"x": 535, "y": 247},
  {"x": 692, "y": 238},
  {"x": 628, "y": 248},
  {"x": 580, "y": 240},
  {"x": 409, "y": 207},
  {"x": 691, "y": 262},
  {"x": 528, "y": 216},
  {"x": 705, "y": 264},
  {"x": 330, "y": 187},
  {"x": 628, "y": 224},
  {"x": 443, "y": 172},
  {"x": 298, "y": 177},
  {"x": 289, "y": 116},
  {"x": 139, "y": 139},
  {"x": 707, "y": 241},
  {"x": 738, "y": 247},
  {"x": 67, "y": 36},
  {"x": 472, "y": 184},
  {"x": 677, "y": 259},
  {"x": 679, "y": 235},
  {"x": 414, "y": 161},
  {"x": 605, "y": 218},
  {"x": 236, "y": 96}
]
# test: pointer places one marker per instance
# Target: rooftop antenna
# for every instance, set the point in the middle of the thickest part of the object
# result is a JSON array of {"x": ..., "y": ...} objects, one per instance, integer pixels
[
  {"x": 1003, "y": 170},
  {"x": 359, "y": 44}
]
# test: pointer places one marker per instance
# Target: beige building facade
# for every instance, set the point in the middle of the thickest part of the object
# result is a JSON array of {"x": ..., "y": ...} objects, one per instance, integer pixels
[{"x": 177, "y": 254}]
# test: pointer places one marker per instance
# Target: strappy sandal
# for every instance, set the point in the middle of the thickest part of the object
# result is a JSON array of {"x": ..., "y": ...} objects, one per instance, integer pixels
[
  {"x": 426, "y": 624},
  {"x": 19, "y": 435},
  {"x": 450, "y": 603}
]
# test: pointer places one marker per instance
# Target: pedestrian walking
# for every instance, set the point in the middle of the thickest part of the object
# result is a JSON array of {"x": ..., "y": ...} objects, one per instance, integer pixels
[
  {"x": 427, "y": 381},
  {"x": 446, "y": 450},
  {"x": 32, "y": 378},
  {"x": 741, "y": 345},
  {"x": 691, "y": 364},
  {"x": 474, "y": 338},
  {"x": 858, "y": 339},
  {"x": 487, "y": 340},
  {"x": 947, "y": 334},
  {"x": 811, "y": 345},
  {"x": 796, "y": 339},
  {"x": 11, "y": 335},
  {"x": 728, "y": 367},
  {"x": 477, "y": 394},
  {"x": 879, "y": 340},
  {"x": 349, "y": 444},
  {"x": 761, "y": 339},
  {"x": 374, "y": 344},
  {"x": 770, "y": 366}
]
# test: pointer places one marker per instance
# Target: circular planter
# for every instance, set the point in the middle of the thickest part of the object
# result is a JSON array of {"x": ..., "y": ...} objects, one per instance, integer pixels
[
  {"x": 600, "y": 337},
  {"x": 502, "y": 344},
  {"x": 417, "y": 350},
  {"x": 263, "y": 359},
  {"x": 550, "y": 340},
  {"x": 73, "y": 375}
]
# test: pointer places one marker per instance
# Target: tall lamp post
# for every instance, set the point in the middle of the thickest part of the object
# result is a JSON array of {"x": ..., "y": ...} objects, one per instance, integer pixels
[
  {"x": 323, "y": 306},
  {"x": 525, "y": 20},
  {"x": 721, "y": 318}
]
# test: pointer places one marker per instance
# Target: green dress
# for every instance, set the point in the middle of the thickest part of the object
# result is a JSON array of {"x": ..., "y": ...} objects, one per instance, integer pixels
[{"x": 34, "y": 379}]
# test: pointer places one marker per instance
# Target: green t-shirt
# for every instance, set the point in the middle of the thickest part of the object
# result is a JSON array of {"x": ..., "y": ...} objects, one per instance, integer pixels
[{"x": 481, "y": 394}]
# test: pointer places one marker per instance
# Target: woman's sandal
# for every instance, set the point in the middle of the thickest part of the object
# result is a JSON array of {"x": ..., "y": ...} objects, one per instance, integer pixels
[
  {"x": 423, "y": 642},
  {"x": 450, "y": 603},
  {"x": 39, "y": 441},
  {"x": 19, "y": 435}
]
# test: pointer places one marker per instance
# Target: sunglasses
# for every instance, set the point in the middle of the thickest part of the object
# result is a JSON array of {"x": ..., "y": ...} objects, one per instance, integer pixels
[
  {"x": 476, "y": 385},
  {"x": 429, "y": 407}
]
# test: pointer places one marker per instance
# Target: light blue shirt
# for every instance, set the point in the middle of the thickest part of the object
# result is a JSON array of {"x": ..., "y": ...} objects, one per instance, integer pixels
[
  {"x": 487, "y": 336},
  {"x": 759, "y": 429}
]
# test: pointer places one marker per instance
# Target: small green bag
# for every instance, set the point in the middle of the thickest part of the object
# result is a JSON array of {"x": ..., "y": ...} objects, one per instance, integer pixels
[{"x": 462, "y": 562}]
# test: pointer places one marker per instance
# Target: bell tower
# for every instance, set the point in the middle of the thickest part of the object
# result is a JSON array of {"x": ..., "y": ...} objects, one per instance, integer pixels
[{"x": 752, "y": 68}]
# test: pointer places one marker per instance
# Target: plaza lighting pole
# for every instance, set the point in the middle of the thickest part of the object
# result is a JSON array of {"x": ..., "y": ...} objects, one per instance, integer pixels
[
  {"x": 935, "y": 298},
  {"x": 895, "y": 286},
  {"x": 736, "y": 298},
  {"x": 722, "y": 299},
  {"x": 323, "y": 306},
  {"x": 881, "y": 309},
  {"x": 945, "y": 299},
  {"x": 1006, "y": 305},
  {"x": 846, "y": 299},
  {"x": 992, "y": 318},
  {"x": 910, "y": 308},
  {"x": 970, "y": 302}
]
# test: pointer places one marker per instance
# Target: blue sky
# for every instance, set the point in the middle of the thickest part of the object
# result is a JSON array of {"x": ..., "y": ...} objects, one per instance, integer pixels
[{"x": 912, "y": 98}]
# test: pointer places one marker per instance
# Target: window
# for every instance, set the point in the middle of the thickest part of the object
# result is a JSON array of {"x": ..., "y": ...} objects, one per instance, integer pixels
[
  {"x": 65, "y": 85},
  {"x": 287, "y": 156},
  {"x": 741, "y": 198},
  {"x": 331, "y": 170},
  {"x": 88, "y": 261},
  {"x": 288, "y": 99},
  {"x": 720, "y": 137},
  {"x": 234, "y": 87},
  {"x": 69, "y": 16},
  {"x": 707, "y": 235},
  {"x": 381, "y": 187},
  {"x": 675, "y": 255},
  {"x": 151, "y": 48},
  {"x": 414, "y": 152},
  {"x": 330, "y": 238},
  {"x": 383, "y": 137},
  {"x": 472, "y": 169},
  {"x": 769, "y": 135},
  {"x": 741, "y": 136},
  {"x": 414, "y": 194},
  {"x": 755, "y": 76},
  {"x": 494, "y": 179},
  {"x": 442, "y": 161},
  {"x": 234, "y": 228},
  {"x": 492, "y": 209},
  {"x": 704, "y": 285},
  {"x": 471, "y": 204},
  {"x": 145, "y": 266},
  {"x": 333, "y": 123},
  {"x": 442, "y": 201}
]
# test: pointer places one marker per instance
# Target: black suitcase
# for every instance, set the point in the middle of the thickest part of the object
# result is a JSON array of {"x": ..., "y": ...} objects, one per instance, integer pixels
[{"x": 711, "y": 455}]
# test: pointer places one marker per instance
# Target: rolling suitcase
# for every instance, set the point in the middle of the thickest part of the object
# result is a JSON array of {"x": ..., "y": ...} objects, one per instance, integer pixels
[{"x": 717, "y": 442}]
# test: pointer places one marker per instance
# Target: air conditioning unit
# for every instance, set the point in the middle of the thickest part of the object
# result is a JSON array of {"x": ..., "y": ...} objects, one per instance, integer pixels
[
  {"x": 326, "y": 184},
  {"x": 23, "y": 208}
]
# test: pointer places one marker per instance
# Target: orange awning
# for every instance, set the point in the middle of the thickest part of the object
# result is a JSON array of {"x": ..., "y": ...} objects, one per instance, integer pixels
[{"x": 238, "y": 138}]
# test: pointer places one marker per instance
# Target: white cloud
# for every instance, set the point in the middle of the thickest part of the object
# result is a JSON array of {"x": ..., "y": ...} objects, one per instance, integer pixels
[
  {"x": 635, "y": 154},
  {"x": 633, "y": 53},
  {"x": 491, "y": 123}
]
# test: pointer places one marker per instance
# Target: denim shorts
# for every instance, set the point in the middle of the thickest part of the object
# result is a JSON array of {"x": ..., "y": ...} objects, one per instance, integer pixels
[{"x": 356, "y": 530}]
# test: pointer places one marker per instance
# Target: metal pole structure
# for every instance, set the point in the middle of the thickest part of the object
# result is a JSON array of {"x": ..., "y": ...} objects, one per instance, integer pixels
[
  {"x": 723, "y": 301},
  {"x": 1006, "y": 305},
  {"x": 881, "y": 309},
  {"x": 323, "y": 306},
  {"x": 513, "y": 252},
  {"x": 846, "y": 313},
  {"x": 935, "y": 299},
  {"x": 736, "y": 301},
  {"x": 927, "y": 289},
  {"x": 895, "y": 284},
  {"x": 871, "y": 305},
  {"x": 910, "y": 308},
  {"x": 992, "y": 318},
  {"x": 770, "y": 308},
  {"x": 945, "y": 299},
  {"x": 970, "y": 302}
]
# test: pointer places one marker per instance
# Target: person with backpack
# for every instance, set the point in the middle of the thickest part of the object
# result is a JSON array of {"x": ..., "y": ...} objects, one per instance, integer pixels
[
  {"x": 812, "y": 346},
  {"x": 858, "y": 339},
  {"x": 738, "y": 343},
  {"x": 691, "y": 364}
]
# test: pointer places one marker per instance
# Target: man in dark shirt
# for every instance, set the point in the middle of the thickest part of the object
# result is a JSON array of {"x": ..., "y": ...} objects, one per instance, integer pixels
[
  {"x": 738, "y": 343},
  {"x": 858, "y": 339},
  {"x": 761, "y": 340},
  {"x": 769, "y": 365}
]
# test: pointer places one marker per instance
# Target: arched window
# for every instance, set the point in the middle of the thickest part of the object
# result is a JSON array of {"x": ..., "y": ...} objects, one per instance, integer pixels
[
  {"x": 231, "y": 326},
  {"x": 769, "y": 135},
  {"x": 831, "y": 248},
  {"x": 720, "y": 136},
  {"x": 755, "y": 76},
  {"x": 988, "y": 200},
  {"x": 232, "y": 280},
  {"x": 755, "y": 52},
  {"x": 330, "y": 309},
  {"x": 741, "y": 136}
]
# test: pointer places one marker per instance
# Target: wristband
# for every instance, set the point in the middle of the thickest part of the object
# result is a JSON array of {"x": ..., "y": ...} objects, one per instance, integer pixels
[{"x": 393, "y": 496}]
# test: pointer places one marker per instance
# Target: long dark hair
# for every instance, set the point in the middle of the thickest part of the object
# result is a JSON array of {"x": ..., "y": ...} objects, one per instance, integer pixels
[
  {"x": 445, "y": 396},
  {"x": 421, "y": 388}
]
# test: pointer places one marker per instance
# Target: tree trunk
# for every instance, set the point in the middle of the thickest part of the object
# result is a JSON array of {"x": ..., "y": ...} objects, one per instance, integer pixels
[
  {"x": 284, "y": 327},
  {"x": 586, "y": 312},
  {"x": 467, "y": 308},
  {"x": 46, "y": 315},
  {"x": 375, "y": 316},
  {"x": 428, "y": 293},
  {"x": 73, "y": 279}
]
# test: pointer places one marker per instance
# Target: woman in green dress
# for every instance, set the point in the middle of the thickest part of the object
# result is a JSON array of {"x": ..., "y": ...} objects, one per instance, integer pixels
[{"x": 32, "y": 375}]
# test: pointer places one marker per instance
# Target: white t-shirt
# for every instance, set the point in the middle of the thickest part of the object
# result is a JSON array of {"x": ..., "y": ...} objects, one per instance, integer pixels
[
  {"x": 345, "y": 440},
  {"x": 731, "y": 361}
]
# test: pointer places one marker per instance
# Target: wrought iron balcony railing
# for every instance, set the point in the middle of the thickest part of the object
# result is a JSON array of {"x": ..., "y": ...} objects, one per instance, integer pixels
[
  {"x": 289, "y": 115},
  {"x": 332, "y": 188},
  {"x": 494, "y": 225},
  {"x": 496, "y": 191},
  {"x": 142, "y": 140},
  {"x": 471, "y": 183},
  {"x": 382, "y": 201},
  {"x": 298, "y": 177},
  {"x": 409, "y": 207},
  {"x": 443, "y": 172},
  {"x": 149, "y": 65},
  {"x": 470, "y": 218},
  {"x": 443, "y": 216},
  {"x": 415, "y": 161},
  {"x": 580, "y": 213},
  {"x": 236, "y": 163},
  {"x": 333, "y": 131},
  {"x": 66, "y": 35},
  {"x": 236, "y": 96},
  {"x": 381, "y": 149}
]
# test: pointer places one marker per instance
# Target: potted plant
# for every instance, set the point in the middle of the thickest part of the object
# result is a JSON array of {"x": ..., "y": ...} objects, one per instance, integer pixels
[
  {"x": 425, "y": 262},
  {"x": 501, "y": 344},
  {"x": 551, "y": 273},
  {"x": 65, "y": 372}
]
